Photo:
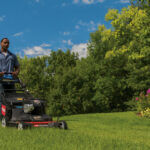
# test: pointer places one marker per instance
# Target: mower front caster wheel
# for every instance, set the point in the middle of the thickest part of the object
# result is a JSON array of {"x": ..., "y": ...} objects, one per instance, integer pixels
[
  {"x": 4, "y": 122},
  {"x": 21, "y": 126}
]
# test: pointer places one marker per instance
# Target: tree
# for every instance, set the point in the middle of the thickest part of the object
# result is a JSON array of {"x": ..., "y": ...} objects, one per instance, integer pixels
[
  {"x": 140, "y": 3},
  {"x": 123, "y": 62}
]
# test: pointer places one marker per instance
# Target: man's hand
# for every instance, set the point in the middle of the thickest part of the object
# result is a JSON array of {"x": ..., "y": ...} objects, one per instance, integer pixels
[
  {"x": 15, "y": 74},
  {"x": 1, "y": 74}
]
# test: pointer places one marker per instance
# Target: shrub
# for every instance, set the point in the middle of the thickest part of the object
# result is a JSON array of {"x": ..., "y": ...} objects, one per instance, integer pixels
[
  {"x": 146, "y": 113},
  {"x": 143, "y": 104}
]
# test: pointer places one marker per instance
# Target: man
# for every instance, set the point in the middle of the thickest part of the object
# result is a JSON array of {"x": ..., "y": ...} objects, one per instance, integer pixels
[{"x": 8, "y": 63}]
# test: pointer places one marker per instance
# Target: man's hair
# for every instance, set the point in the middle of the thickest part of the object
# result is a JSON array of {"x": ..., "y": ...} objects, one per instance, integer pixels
[{"x": 3, "y": 39}]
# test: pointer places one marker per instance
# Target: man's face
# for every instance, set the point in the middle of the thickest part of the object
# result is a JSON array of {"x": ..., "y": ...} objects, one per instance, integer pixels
[{"x": 5, "y": 44}]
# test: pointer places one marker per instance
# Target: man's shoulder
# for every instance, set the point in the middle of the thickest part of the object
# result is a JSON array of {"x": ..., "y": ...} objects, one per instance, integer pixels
[{"x": 10, "y": 53}]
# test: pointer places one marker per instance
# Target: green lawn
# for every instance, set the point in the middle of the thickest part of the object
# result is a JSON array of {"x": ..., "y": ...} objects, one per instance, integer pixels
[{"x": 106, "y": 131}]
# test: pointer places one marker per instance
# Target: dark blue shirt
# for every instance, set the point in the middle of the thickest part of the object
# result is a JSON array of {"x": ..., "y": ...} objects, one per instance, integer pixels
[{"x": 8, "y": 62}]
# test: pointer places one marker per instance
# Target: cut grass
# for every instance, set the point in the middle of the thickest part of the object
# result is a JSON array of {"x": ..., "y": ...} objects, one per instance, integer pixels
[{"x": 105, "y": 131}]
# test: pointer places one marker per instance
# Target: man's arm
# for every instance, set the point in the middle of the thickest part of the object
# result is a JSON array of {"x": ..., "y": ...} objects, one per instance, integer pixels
[
  {"x": 16, "y": 72},
  {"x": 16, "y": 67}
]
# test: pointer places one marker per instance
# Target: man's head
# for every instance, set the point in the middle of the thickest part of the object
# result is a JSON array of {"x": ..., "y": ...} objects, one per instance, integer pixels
[{"x": 4, "y": 44}]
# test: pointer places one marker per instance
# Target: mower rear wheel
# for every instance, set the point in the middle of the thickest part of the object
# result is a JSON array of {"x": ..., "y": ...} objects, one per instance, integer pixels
[
  {"x": 63, "y": 125},
  {"x": 4, "y": 122}
]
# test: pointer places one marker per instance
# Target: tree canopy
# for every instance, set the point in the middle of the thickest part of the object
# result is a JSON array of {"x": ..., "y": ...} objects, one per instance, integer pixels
[{"x": 116, "y": 70}]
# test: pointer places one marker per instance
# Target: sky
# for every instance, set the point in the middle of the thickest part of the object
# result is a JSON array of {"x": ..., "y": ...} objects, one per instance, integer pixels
[{"x": 36, "y": 27}]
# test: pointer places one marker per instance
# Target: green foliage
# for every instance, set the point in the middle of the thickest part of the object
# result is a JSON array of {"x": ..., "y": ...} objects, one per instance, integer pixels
[
  {"x": 33, "y": 75},
  {"x": 116, "y": 70},
  {"x": 60, "y": 71},
  {"x": 124, "y": 62},
  {"x": 73, "y": 89},
  {"x": 146, "y": 113},
  {"x": 140, "y": 3},
  {"x": 101, "y": 41}
]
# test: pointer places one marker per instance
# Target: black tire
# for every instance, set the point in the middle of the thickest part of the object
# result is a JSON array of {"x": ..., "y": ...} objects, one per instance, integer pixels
[
  {"x": 63, "y": 125},
  {"x": 4, "y": 122}
]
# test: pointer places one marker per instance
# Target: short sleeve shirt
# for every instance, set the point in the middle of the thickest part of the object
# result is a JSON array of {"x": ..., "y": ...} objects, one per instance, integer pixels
[{"x": 8, "y": 62}]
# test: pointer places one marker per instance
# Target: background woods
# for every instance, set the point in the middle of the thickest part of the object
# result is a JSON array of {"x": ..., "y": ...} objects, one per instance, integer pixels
[{"x": 116, "y": 70}]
